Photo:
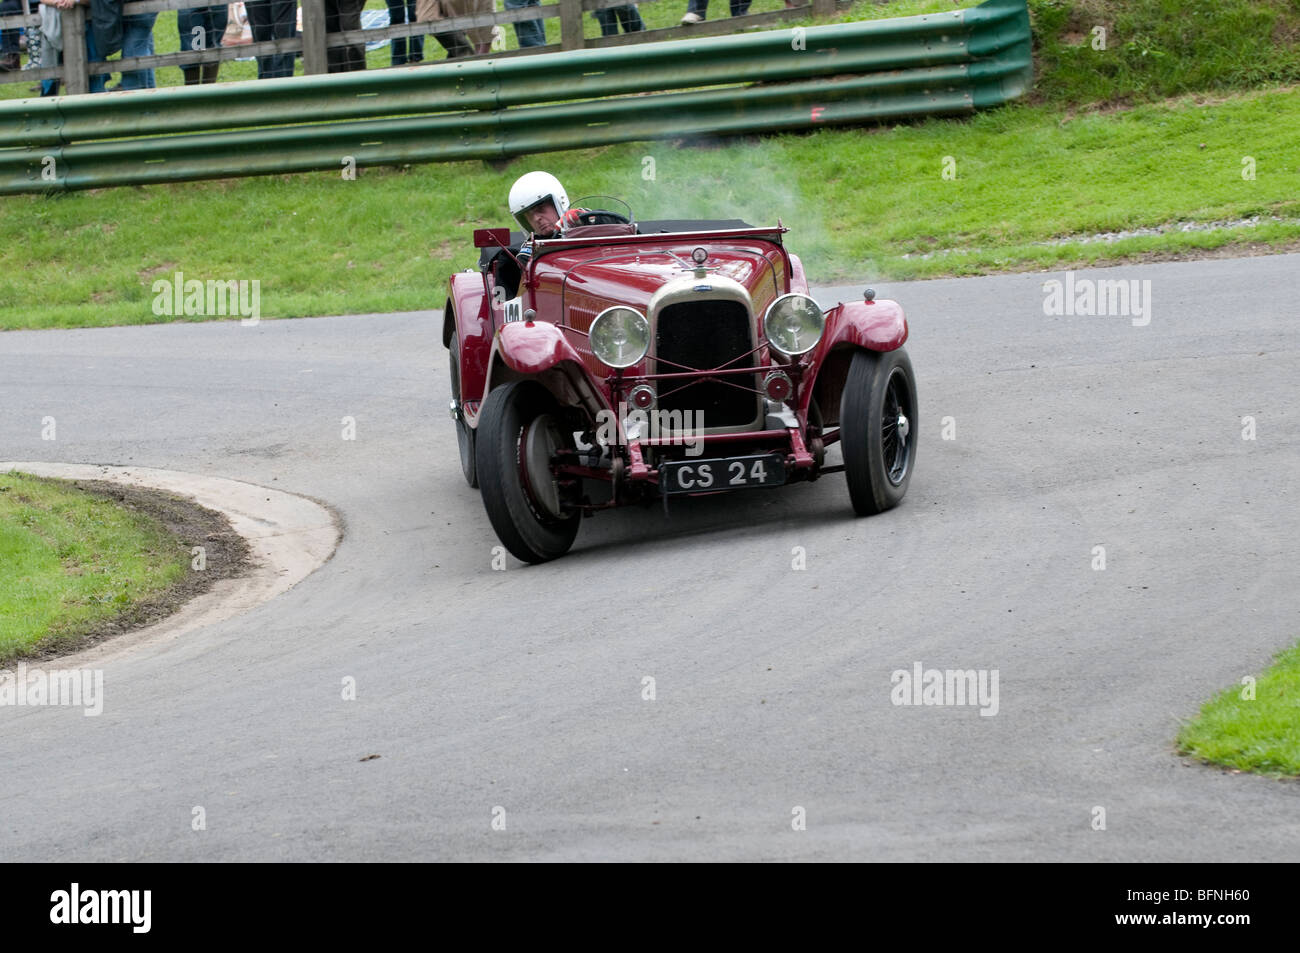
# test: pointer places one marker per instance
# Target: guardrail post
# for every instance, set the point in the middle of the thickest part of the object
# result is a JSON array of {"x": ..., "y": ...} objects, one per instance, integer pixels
[
  {"x": 314, "y": 59},
  {"x": 823, "y": 9},
  {"x": 571, "y": 25},
  {"x": 75, "y": 77}
]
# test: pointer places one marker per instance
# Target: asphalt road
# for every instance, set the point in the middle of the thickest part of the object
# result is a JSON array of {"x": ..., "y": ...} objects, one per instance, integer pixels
[{"x": 522, "y": 689}]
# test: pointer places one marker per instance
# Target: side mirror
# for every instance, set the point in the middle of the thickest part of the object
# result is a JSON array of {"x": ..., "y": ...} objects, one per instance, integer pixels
[{"x": 491, "y": 238}]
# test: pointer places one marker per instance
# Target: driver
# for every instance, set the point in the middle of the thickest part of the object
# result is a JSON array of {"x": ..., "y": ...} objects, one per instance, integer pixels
[{"x": 541, "y": 207}]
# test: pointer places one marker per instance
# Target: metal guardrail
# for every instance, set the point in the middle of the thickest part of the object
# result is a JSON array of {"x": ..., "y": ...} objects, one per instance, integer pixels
[{"x": 946, "y": 63}]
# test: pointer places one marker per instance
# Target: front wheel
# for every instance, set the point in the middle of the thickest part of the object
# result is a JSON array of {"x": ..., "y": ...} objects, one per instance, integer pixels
[
  {"x": 519, "y": 434},
  {"x": 878, "y": 420}
]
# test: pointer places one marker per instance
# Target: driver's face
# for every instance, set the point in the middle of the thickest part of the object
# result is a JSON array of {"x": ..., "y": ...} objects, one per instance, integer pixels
[{"x": 544, "y": 218}]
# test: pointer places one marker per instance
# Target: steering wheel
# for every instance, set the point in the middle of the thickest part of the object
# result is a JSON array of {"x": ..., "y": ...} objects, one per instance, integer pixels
[{"x": 602, "y": 217}]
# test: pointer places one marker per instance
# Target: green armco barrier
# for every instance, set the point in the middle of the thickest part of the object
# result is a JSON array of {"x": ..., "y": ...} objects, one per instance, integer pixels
[{"x": 776, "y": 80}]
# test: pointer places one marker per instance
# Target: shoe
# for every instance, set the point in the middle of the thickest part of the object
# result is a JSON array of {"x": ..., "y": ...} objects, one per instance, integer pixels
[{"x": 692, "y": 17}]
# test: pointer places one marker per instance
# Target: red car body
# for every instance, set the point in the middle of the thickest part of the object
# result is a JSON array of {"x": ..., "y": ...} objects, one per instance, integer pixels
[{"x": 704, "y": 289}]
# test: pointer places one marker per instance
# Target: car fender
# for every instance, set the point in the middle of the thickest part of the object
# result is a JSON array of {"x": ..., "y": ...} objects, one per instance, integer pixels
[
  {"x": 468, "y": 314},
  {"x": 798, "y": 281},
  {"x": 538, "y": 350},
  {"x": 857, "y": 325}
]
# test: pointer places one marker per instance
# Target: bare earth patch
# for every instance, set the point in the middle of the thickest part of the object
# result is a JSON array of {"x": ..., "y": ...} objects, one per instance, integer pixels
[{"x": 226, "y": 556}]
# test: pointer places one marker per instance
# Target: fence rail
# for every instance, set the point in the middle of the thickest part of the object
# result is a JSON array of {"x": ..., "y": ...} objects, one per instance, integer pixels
[{"x": 759, "y": 82}]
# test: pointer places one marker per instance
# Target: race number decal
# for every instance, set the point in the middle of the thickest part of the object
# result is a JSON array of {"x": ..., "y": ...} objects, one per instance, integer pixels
[{"x": 514, "y": 309}]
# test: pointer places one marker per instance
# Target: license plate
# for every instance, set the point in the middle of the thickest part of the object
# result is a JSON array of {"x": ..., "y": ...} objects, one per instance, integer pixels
[{"x": 727, "y": 473}]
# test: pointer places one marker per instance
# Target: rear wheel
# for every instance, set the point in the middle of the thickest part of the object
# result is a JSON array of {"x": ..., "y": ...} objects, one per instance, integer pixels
[
  {"x": 519, "y": 434},
  {"x": 878, "y": 429},
  {"x": 464, "y": 432}
]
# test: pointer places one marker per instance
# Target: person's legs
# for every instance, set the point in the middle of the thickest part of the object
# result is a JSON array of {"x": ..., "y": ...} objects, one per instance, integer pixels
[
  {"x": 201, "y": 28},
  {"x": 696, "y": 10},
  {"x": 479, "y": 37},
  {"x": 397, "y": 45},
  {"x": 189, "y": 26},
  {"x": 284, "y": 26},
  {"x": 608, "y": 22},
  {"x": 350, "y": 19},
  {"x": 137, "y": 40},
  {"x": 739, "y": 7},
  {"x": 527, "y": 32},
  {"x": 217, "y": 19},
  {"x": 415, "y": 44},
  {"x": 630, "y": 17},
  {"x": 342, "y": 15},
  {"x": 100, "y": 82},
  {"x": 259, "y": 21}
]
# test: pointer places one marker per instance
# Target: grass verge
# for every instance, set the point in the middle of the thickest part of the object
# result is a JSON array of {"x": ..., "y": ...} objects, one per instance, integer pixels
[
  {"x": 1258, "y": 732},
  {"x": 862, "y": 203},
  {"x": 82, "y": 561}
]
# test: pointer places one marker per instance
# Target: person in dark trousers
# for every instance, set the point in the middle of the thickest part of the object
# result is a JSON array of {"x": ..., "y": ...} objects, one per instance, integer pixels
[
  {"x": 610, "y": 18},
  {"x": 527, "y": 32},
  {"x": 273, "y": 20},
  {"x": 405, "y": 49},
  {"x": 341, "y": 15},
  {"x": 201, "y": 28}
]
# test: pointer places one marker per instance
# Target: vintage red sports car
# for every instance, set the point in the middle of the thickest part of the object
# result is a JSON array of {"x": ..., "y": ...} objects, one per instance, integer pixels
[{"x": 628, "y": 362}]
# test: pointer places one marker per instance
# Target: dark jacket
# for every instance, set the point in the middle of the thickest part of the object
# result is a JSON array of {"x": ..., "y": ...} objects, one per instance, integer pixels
[{"x": 106, "y": 21}]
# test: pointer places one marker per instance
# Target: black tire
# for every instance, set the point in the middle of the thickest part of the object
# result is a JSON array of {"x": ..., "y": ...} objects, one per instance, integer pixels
[
  {"x": 520, "y": 516},
  {"x": 879, "y": 448},
  {"x": 465, "y": 434}
]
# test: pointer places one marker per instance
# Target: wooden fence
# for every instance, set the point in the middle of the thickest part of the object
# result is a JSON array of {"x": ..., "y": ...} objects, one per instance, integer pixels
[{"x": 312, "y": 43}]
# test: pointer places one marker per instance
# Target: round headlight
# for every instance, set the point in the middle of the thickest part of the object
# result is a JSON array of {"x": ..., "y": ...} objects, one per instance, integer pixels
[
  {"x": 794, "y": 324},
  {"x": 620, "y": 337}
]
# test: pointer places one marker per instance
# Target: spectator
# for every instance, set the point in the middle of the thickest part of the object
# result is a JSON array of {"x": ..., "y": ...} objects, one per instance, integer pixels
[
  {"x": 696, "y": 9},
  {"x": 201, "y": 28},
  {"x": 405, "y": 49},
  {"x": 455, "y": 42},
  {"x": 9, "y": 58},
  {"x": 273, "y": 20},
  {"x": 527, "y": 32},
  {"x": 137, "y": 40},
  {"x": 342, "y": 15},
  {"x": 52, "y": 45},
  {"x": 610, "y": 18},
  {"x": 479, "y": 37}
]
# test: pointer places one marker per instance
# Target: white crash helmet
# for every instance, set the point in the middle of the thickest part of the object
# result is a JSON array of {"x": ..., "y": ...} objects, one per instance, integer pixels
[{"x": 532, "y": 188}]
